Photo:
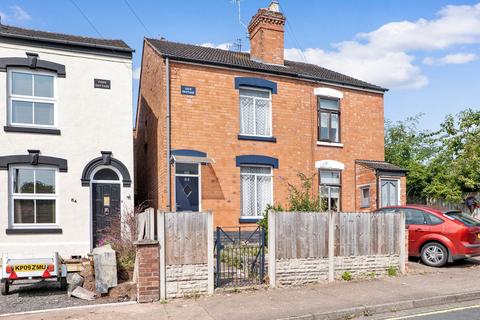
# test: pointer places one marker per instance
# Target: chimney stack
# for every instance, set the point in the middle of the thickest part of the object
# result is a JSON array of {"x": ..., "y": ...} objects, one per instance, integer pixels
[{"x": 266, "y": 31}]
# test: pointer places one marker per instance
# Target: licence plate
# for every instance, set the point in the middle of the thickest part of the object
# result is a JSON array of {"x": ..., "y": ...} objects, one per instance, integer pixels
[{"x": 29, "y": 267}]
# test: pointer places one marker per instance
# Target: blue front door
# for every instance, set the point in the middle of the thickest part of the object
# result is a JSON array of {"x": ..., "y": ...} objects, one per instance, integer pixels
[{"x": 186, "y": 193}]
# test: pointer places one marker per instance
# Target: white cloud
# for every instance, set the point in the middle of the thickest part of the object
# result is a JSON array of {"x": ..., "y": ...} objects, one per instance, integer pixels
[
  {"x": 454, "y": 58},
  {"x": 136, "y": 73},
  {"x": 15, "y": 14},
  {"x": 385, "y": 56},
  {"x": 224, "y": 46},
  {"x": 19, "y": 14}
]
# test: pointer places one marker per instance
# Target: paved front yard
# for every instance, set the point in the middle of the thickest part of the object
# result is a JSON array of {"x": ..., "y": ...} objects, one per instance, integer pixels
[{"x": 46, "y": 297}]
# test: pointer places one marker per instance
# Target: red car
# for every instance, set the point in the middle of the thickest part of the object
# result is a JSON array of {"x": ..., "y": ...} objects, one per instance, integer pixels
[{"x": 439, "y": 236}]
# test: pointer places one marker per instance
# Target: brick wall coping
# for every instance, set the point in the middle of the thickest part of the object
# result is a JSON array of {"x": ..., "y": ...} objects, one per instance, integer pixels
[{"x": 145, "y": 242}]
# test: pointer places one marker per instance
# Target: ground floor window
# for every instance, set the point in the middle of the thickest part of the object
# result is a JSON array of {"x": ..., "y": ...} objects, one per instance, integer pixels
[
  {"x": 256, "y": 190},
  {"x": 389, "y": 192},
  {"x": 330, "y": 189},
  {"x": 365, "y": 197},
  {"x": 33, "y": 196}
]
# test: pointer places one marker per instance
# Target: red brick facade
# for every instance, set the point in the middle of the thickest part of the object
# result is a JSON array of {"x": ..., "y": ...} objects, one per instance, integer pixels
[
  {"x": 209, "y": 122},
  {"x": 148, "y": 280}
]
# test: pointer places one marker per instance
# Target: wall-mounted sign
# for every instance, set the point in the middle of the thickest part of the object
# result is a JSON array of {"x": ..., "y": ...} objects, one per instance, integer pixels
[
  {"x": 191, "y": 91},
  {"x": 101, "y": 83}
]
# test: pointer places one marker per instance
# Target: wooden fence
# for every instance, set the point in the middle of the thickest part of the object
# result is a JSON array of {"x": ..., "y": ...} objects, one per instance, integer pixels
[
  {"x": 184, "y": 258},
  {"x": 334, "y": 240}
]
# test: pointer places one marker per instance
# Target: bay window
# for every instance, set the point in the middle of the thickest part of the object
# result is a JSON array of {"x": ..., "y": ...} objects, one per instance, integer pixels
[
  {"x": 256, "y": 190},
  {"x": 328, "y": 120},
  {"x": 31, "y": 99},
  {"x": 33, "y": 196}
]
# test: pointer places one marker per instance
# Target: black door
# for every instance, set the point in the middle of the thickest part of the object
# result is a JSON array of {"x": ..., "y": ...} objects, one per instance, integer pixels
[
  {"x": 186, "y": 193},
  {"x": 106, "y": 211}
]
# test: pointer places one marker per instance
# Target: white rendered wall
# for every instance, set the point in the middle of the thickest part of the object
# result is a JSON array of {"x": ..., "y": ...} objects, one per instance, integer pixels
[{"x": 91, "y": 120}]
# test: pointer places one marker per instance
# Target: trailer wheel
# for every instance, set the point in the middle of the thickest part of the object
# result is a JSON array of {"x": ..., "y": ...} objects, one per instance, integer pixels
[
  {"x": 5, "y": 286},
  {"x": 63, "y": 283}
]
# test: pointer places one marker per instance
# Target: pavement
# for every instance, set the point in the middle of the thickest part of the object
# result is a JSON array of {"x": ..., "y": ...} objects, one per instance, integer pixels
[{"x": 421, "y": 287}]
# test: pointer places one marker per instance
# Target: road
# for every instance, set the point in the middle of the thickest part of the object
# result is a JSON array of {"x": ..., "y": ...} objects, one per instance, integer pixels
[{"x": 459, "y": 311}]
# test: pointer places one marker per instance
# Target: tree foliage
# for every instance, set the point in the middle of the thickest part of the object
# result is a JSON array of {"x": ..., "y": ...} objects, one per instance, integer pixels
[{"x": 442, "y": 164}]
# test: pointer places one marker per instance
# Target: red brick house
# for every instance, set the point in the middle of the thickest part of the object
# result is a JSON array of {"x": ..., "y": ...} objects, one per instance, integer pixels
[{"x": 225, "y": 131}]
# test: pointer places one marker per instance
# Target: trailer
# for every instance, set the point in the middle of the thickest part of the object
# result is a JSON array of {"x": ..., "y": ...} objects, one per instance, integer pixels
[{"x": 20, "y": 269}]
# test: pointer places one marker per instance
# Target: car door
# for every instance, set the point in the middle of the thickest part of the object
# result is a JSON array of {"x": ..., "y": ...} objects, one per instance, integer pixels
[{"x": 418, "y": 226}]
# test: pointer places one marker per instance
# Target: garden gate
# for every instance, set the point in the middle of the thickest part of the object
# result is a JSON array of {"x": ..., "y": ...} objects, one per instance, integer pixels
[{"x": 240, "y": 256}]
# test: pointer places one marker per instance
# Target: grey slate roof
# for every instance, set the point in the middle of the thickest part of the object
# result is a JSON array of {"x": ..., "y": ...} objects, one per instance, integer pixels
[
  {"x": 381, "y": 165},
  {"x": 36, "y": 35},
  {"x": 214, "y": 56}
]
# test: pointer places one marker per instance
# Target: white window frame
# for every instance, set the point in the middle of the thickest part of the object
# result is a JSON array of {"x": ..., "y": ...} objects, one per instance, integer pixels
[
  {"x": 331, "y": 185},
  {"x": 257, "y": 216},
  {"x": 198, "y": 175},
  {"x": 398, "y": 190},
  {"x": 254, "y": 111},
  {"x": 32, "y": 196},
  {"x": 33, "y": 99},
  {"x": 362, "y": 188}
]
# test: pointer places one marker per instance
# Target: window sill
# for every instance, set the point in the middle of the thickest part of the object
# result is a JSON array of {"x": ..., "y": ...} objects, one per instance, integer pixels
[
  {"x": 257, "y": 138},
  {"x": 249, "y": 220},
  {"x": 33, "y": 231},
  {"x": 31, "y": 130},
  {"x": 364, "y": 207},
  {"x": 330, "y": 144}
]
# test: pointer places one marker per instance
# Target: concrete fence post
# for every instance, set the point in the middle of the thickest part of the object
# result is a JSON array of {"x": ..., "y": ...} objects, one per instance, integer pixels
[
  {"x": 210, "y": 248},
  {"x": 403, "y": 256},
  {"x": 162, "y": 258},
  {"x": 331, "y": 246},
  {"x": 272, "y": 268}
]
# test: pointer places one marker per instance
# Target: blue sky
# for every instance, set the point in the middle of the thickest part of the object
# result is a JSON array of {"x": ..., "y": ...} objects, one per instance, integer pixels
[{"x": 426, "y": 52}]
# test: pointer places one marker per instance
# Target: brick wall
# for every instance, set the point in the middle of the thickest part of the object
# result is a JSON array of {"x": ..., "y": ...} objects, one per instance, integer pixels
[
  {"x": 365, "y": 177},
  {"x": 148, "y": 281},
  {"x": 209, "y": 122}
]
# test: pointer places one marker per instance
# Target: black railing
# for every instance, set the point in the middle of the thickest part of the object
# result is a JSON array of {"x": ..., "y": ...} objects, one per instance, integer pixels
[{"x": 240, "y": 256}]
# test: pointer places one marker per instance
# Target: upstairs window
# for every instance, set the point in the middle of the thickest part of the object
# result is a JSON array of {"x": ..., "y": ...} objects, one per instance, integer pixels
[
  {"x": 328, "y": 120},
  {"x": 255, "y": 112},
  {"x": 33, "y": 196},
  {"x": 31, "y": 99}
]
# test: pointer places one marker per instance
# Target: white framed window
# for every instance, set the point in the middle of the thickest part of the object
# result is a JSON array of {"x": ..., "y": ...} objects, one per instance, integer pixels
[
  {"x": 329, "y": 120},
  {"x": 256, "y": 190},
  {"x": 255, "y": 112},
  {"x": 31, "y": 98},
  {"x": 330, "y": 189},
  {"x": 33, "y": 196},
  {"x": 365, "y": 197}
]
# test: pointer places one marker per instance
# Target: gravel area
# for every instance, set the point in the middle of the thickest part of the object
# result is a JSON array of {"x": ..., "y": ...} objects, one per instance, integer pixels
[{"x": 40, "y": 296}]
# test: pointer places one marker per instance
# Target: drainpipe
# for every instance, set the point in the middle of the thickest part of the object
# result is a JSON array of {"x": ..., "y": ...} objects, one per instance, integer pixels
[
  {"x": 376, "y": 189},
  {"x": 167, "y": 120}
]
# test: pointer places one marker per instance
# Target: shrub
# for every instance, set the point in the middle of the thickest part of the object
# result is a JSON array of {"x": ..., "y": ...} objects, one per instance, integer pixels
[
  {"x": 347, "y": 276},
  {"x": 392, "y": 271}
]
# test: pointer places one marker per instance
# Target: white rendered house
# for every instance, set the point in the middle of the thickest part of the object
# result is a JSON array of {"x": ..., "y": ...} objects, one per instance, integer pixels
[{"x": 66, "y": 147}]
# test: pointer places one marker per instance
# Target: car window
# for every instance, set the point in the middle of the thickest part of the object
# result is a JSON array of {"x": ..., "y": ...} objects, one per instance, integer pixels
[
  {"x": 413, "y": 216},
  {"x": 466, "y": 219},
  {"x": 432, "y": 219}
]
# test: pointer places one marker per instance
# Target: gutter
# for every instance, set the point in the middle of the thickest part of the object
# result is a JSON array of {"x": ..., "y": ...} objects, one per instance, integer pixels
[
  {"x": 278, "y": 73},
  {"x": 167, "y": 122},
  {"x": 68, "y": 42}
]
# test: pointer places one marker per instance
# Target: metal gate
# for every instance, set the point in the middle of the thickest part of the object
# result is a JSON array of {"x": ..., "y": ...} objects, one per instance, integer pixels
[{"x": 240, "y": 256}]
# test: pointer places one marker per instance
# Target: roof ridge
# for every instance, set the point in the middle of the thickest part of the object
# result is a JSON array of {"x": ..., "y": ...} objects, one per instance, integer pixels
[{"x": 300, "y": 71}]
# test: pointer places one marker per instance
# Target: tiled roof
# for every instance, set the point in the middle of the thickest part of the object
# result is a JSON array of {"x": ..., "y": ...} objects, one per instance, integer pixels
[
  {"x": 29, "y": 34},
  {"x": 214, "y": 56},
  {"x": 381, "y": 165}
]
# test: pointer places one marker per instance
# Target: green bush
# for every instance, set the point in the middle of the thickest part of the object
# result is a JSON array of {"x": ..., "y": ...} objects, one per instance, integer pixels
[
  {"x": 392, "y": 271},
  {"x": 347, "y": 276}
]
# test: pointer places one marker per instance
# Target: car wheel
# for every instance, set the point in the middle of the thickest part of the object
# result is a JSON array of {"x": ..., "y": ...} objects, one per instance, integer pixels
[
  {"x": 434, "y": 254},
  {"x": 5, "y": 286}
]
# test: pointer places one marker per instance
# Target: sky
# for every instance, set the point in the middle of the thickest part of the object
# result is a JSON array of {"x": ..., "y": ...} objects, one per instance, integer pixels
[{"x": 425, "y": 52}]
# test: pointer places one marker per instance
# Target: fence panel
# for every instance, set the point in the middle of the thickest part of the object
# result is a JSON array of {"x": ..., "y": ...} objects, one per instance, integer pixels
[
  {"x": 301, "y": 235},
  {"x": 186, "y": 238}
]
